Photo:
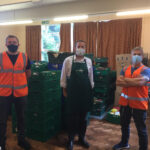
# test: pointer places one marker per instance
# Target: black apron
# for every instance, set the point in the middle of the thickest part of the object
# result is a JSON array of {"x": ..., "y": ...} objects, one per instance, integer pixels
[{"x": 79, "y": 90}]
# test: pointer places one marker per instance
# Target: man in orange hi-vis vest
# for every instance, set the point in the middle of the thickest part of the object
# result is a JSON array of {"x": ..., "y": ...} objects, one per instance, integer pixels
[
  {"x": 15, "y": 69},
  {"x": 134, "y": 100}
]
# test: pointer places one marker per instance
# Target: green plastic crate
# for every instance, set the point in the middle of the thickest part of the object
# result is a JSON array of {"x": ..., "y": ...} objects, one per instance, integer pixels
[
  {"x": 102, "y": 72},
  {"x": 44, "y": 85},
  {"x": 98, "y": 112},
  {"x": 98, "y": 103},
  {"x": 101, "y": 60},
  {"x": 39, "y": 66},
  {"x": 102, "y": 90},
  {"x": 113, "y": 118},
  {"x": 43, "y": 115},
  {"x": 102, "y": 76},
  {"x": 44, "y": 124},
  {"x": 45, "y": 75},
  {"x": 54, "y": 75},
  {"x": 44, "y": 106},
  {"x": 45, "y": 95}
]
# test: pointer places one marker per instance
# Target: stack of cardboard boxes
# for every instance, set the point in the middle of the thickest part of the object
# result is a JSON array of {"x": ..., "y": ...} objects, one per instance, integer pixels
[{"x": 121, "y": 61}]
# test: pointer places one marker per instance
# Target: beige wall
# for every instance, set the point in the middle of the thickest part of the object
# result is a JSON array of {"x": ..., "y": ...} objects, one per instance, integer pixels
[
  {"x": 19, "y": 31},
  {"x": 146, "y": 35}
]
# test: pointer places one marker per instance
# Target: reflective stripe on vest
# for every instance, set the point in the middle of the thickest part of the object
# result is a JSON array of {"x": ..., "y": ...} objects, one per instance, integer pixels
[
  {"x": 24, "y": 59},
  {"x": 134, "y": 98},
  {"x": 11, "y": 70},
  {"x": 15, "y": 88}
]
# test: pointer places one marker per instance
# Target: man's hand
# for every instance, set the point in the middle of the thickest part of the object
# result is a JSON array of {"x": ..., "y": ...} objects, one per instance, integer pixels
[
  {"x": 65, "y": 92},
  {"x": 121, "y": 81}
]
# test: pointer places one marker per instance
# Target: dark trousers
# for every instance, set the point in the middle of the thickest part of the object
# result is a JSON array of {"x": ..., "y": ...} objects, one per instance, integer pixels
[
  {"x": 77, "y": 124},
  {"x": 139, "y": 117},
  {"x": 5, "y": 106}
]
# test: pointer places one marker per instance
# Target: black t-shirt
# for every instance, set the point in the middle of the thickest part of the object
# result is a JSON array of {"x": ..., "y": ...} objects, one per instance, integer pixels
[{"x": 13, "y": 59}]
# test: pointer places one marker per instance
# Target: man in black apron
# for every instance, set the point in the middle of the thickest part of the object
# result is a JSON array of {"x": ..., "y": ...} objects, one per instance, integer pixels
[{"x": 77, "y": 83}]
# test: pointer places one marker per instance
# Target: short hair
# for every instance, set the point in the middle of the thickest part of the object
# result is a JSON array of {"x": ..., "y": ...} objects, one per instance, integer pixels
[
  {"x": 12, "y": 36},
  {"x": 79, "y": 41},
  {"x": 138, "y": 48}
]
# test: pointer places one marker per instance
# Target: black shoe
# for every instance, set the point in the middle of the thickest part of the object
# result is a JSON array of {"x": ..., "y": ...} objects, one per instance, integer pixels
[
  {"x": 24, "y": 144},
  {"x": 83, "y": 143},
  {"x": 121, "y": 146},
  {"x": 70, "y": 145}
]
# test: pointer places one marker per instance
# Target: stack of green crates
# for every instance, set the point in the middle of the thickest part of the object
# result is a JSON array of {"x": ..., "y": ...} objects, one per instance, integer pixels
[
  {"x": 44, "y": 105},
  {"x": 104, "y": 88},
  {"x": 43, "y": 112},
  {"x": 101, "y": 61},
  {"x": 98, "y": 107}
]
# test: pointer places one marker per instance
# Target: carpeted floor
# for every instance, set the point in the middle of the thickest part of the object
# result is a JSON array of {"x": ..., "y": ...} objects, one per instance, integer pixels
[{"x": 100, "y": 134}]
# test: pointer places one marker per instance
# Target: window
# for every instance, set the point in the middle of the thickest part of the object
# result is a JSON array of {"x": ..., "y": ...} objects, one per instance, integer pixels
[{"x": 50, "y": 39}]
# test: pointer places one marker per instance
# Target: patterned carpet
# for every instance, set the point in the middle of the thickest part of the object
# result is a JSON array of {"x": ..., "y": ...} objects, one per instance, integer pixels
[{"x": 100, "y": 134}]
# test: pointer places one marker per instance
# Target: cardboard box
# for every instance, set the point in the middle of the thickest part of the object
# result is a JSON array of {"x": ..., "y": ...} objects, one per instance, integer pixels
[
  {"x": 122, "y": 61},
  {"x": 117, "y": 95}
]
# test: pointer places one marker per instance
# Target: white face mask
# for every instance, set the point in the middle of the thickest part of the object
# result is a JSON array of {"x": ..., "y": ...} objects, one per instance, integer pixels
[{"x": 80, "y": 52}]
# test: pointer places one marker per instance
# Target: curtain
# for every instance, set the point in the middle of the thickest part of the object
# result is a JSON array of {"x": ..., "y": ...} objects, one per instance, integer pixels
[
  {"x": 65, "y": 38},
  {"x": 88, "y": 33},
  {"x": 118, "y": 37},
  {"x": 33, "y": 42}
]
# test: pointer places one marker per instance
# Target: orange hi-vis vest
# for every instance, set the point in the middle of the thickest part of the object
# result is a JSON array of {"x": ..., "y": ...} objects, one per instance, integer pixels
[
  {"x": 13, "y": 77},
  {"x": 136, "y": 97}
]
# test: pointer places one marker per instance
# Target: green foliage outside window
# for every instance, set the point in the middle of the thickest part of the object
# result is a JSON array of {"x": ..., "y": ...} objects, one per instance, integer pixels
[{"x": 50, "y": 39}]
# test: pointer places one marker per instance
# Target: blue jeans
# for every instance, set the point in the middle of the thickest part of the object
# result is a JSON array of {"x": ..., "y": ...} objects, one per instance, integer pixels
[{"x": 139, "y": 117}]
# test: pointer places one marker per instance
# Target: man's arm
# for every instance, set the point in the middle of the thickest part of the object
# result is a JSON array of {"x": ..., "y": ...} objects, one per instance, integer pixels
[
  {"x": 129, "y": 82},
  {"x": 121, "y": 82}
]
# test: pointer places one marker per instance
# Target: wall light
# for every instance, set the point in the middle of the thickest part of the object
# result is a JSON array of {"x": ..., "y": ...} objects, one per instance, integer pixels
[
  {"x": 71, "y": 18},
  {"x": 136, "y": 12},
  {"x": 16, "y": 22}
]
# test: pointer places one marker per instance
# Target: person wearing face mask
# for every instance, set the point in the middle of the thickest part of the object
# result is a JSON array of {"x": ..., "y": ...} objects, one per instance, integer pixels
[
  {"x": 134, "y": 100},
  {"x": 77, "y": 83},
  {"x": 15, "y": 68}
]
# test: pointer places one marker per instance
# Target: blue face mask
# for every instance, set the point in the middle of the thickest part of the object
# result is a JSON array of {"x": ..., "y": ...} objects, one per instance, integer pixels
[{"x": 136, "y": 59}]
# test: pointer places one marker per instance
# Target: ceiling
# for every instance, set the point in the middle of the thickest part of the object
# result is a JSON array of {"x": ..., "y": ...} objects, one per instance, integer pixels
[
  {"x": 8, "y": 5},
  {"x": 36, "y": 10}
]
